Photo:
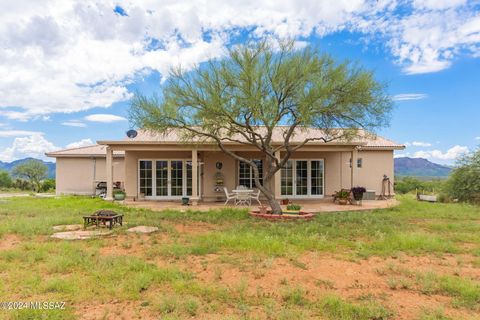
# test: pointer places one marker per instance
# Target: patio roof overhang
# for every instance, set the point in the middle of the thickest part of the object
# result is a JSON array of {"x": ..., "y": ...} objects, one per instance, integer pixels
[{"x": 126, "y": 145}]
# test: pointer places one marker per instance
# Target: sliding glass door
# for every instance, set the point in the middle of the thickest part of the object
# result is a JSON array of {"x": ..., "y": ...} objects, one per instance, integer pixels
[
  {"x": 165, "y": 178},
  {"x": 145, "y": 177},
  {"x": 302, "y": 178},
  {"x": 161, "y": 178}
]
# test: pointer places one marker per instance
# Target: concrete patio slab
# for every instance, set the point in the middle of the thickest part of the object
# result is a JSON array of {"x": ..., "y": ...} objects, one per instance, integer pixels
[
  {"x": 81, "y": 235},
  {"x": 143, "y": 229},
  {"x": 318, "y": 205}
]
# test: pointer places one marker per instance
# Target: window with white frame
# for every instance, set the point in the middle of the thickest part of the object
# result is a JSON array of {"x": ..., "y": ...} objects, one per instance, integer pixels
[
  {"x": 245, "y": 173},
  {"x": 302, "y": 178}
]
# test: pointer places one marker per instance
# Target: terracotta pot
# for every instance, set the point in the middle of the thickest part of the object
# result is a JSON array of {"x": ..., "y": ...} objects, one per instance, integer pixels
[
  {"x": 342, "y": 201},
  {"x": 285, "y": 202}
]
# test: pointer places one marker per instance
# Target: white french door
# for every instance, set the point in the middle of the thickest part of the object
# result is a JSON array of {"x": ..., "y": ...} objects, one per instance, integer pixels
[
  {"x": 303, "y": 179},
  {"x": 165, "y": 179}
]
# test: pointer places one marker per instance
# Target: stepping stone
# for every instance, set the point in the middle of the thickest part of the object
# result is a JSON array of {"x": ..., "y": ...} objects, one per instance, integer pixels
[
  {"x": 68, "y": 227},
  {"x": 81, "y": 235},
  {"x": 143, "y": 229}
]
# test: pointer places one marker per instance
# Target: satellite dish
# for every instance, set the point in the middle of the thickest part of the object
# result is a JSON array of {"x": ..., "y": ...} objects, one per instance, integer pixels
[{"x": 132, "y": 133}]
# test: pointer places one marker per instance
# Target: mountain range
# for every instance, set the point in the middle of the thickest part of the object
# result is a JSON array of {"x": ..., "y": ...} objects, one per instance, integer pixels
[
  {"x": 8, "y": 166},
  {"x": 420, "y": 167}
]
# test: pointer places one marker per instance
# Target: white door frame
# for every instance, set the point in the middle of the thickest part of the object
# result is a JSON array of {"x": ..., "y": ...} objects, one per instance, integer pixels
[
  {"x": 309, "y": 180},
  {"x": 169, "y": 179}
]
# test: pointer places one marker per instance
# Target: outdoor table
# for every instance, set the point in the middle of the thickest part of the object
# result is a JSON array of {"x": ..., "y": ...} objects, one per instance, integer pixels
[
  {"x": 97, "y": 219},
  {"x": 243, "y": 196}
]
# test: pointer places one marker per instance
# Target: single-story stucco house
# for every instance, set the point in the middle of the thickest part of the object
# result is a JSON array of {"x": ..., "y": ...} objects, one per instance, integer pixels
[{"x": 162, "y": 167}]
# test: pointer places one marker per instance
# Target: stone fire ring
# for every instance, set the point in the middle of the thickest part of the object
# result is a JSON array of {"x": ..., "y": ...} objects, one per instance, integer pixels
[{"x": 302, "y": 215}]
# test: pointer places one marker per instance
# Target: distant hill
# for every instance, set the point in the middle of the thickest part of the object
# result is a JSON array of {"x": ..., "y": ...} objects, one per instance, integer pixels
[
  {"x": 8, "y": 166},
  {"x": 419, "y": 167}
]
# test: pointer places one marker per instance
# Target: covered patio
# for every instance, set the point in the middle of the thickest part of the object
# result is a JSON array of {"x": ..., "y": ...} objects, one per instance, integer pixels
[{"x": 317, "y": 205}]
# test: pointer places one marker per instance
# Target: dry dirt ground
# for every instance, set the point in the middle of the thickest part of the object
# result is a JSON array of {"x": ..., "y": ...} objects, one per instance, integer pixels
[{"x": 316, "y": 273}]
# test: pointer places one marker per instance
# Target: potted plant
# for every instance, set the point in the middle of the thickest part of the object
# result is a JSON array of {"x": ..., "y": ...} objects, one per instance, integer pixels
[
  {"x": 358, "y": 193},
  {"x": 262, "y": 209},
  {"x": 285, "y": 201},
  {"x": 119, "y": 195},
  {"x": 293, "y": 209},
  {"x": 185, "y": 201},
  {"x": 343, "y": 196}
]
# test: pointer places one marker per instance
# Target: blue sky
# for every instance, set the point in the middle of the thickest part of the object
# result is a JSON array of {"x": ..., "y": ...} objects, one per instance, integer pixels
[{"x": 68, "y": 68}]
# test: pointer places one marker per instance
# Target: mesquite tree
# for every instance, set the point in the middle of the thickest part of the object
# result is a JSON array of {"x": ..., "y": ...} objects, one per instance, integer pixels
[{"x": 260, "y": 88}]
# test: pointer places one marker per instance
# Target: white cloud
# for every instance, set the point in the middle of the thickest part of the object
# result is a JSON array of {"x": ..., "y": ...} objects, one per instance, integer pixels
[
  {"x": 418, "y": 144},
  {"x": 438, "y": 4},
  {"x": 34, "y": 146},
  {"x": 409, "y": 96},
  {"x": 477, "y": 138},
  {"x": 81, "y": 143},
  {"x": 401, "y": 155},
  {"x": 72, "y": 55},
  {"x": 16, "y": 133},
  {"x": 105, "y": 118},
  {"x": 450, "y": 154},
  {"x": 74, "y": 123}
]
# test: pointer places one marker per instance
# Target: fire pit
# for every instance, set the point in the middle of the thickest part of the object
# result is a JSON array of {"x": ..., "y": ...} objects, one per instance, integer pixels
[
  {"x": 301, "y": 215},
  {"x": 103, "y": 217}
]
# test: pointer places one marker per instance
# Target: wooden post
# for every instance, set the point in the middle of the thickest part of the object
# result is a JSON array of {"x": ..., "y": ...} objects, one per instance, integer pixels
[{"x": 109, "y": 168}]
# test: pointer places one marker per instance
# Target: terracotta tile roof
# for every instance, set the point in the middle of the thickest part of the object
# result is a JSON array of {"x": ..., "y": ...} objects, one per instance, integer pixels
[
  {"x": 365, "y": 139},
  {"x": 88, "y": 151}
]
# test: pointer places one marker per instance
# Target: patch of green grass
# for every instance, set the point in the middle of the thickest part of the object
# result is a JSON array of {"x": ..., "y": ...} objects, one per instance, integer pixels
[
  {"x": 335, "y": 308},
  {"x": 295, "y": 296},
  {"x": 81, "y": 272},
  {"x": 434, "y": 315},
  {"x": 465, "y": 292}
]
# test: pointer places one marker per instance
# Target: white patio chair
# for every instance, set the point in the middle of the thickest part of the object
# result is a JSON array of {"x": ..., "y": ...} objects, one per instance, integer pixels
[
  {"x": 230, "y": 196},
  {"x": 256, "y": 196},
  {"x": 243, "y": 199}
]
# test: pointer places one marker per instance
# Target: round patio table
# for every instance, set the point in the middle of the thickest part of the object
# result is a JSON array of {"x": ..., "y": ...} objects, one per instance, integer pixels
[{"x": 243, "y": 197}]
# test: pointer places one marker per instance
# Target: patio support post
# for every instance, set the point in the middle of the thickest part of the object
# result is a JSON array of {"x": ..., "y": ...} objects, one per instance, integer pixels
[
  {"x": 109, "y": 165},
  {"x": 354, "y": 170},
  {"x": 277, "y": 183},
  {"x": 195, "y": 196}
]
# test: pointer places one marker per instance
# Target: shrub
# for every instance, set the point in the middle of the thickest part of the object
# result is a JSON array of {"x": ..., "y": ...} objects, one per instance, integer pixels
[
  {"x": 464, "y": 181},
  {"x": 47, "y": 184},
  {"x": 5, "y": 179},
  {"x": 410, "y": 184},
  {"x": 294, "y": 207}
]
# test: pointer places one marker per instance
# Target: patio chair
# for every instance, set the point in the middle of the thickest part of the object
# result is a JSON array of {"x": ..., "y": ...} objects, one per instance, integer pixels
[
  {"x": 230, "y": 196},
  {"x": 256, "y": 196}
]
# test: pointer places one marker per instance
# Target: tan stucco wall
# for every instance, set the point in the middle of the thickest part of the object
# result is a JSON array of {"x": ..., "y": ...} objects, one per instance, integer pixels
[
  {"x": 375, "y": 165},
  {"x": 337, "y": 169},
  {"x": 78, "y": 175}
]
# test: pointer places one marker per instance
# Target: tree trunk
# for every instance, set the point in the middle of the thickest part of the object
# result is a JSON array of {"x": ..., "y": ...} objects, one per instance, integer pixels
[{"x": 266, "y": 189}]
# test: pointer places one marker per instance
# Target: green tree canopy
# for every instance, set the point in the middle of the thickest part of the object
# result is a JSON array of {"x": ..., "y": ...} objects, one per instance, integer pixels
[
  {"x": 464, "y": 181},
  {"x": 5, "y": 179},
  {"x": 256, "y": 89},
  {"x": 33, "y": 171}
]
